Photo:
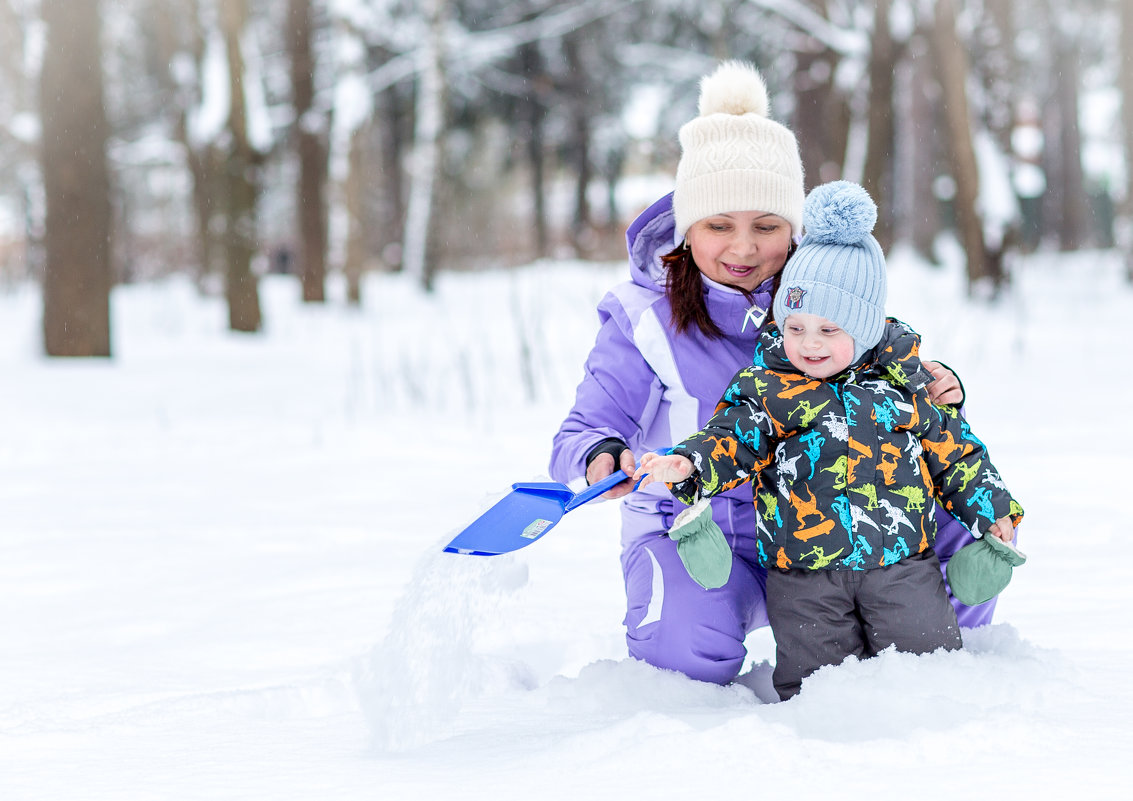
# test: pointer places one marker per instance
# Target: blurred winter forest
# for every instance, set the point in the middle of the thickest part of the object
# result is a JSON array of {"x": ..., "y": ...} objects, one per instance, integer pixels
[{"x": 231, "y": 138}]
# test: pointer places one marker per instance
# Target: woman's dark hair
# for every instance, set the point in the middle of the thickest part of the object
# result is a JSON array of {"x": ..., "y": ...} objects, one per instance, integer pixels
[{"x": 685, "y": 291}]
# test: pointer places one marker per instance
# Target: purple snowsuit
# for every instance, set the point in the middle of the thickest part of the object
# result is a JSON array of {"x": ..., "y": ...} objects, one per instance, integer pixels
[{"x": 650, "y": 387}]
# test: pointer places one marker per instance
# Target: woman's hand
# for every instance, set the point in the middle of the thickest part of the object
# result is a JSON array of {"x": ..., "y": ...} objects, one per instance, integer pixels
[
  {"x": 603, "y": 465},
  {"x": 946, "y": 388},
  {"x": 669, "y": 469}
]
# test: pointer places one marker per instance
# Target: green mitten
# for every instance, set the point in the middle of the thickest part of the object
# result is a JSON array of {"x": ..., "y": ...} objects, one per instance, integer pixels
[
  {"x": 982, "y": 569},
  {"x": 701, "y": 546}
]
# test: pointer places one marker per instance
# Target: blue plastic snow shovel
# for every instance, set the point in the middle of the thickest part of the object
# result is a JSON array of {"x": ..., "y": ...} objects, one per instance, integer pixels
[{"x": 524, "y": 515}]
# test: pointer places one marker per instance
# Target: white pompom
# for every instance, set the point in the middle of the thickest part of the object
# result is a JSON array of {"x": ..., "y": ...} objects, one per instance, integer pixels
[{"x": 734, "y": 88}]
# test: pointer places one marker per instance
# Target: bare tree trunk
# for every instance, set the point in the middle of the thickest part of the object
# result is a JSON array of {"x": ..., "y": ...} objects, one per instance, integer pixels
[
  {"x": 536, "y": 113},
  {"x": 426, "y": 154},
  {"x": 1000, "y": 72},
  {"x": 77, "y": 281},
  {"x": 206, "y": 168},
  {"x": 1073, "y": 230},
  {"x": 242, "y": 184},
  {"x": 822, "y": 117},
  {"x": 310, "y": 137},
  {"x": 953, "y": 73},
  {"x": 382, "y": 194},
  {"x": 354, "y": 263},
  {"x": 203, "y": 159},
  {"x": 998, "y": 69},
  {"x": 14, "y": 75},
  {"x": 580, "y": 229},
  {"x": 12, "y": 52},
  {"x": 580, "y": 146},
  {"x": 1125, "y": 229},
  {"x": 878, "y": 171},
  {"x": 924, "y": 160}
]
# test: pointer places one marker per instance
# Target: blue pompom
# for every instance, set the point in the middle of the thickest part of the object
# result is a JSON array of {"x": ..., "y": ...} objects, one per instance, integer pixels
[{"x": 838, "y": 213}]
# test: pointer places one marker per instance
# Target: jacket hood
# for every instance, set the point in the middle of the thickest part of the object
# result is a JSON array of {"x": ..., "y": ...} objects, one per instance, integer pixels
[
  {"x": 648, "y": 238},
  {"x": 894, "y": 357}
]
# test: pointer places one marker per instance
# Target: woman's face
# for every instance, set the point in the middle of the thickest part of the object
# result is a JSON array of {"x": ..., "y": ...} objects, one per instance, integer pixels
[{"x": 740, "y": 248}]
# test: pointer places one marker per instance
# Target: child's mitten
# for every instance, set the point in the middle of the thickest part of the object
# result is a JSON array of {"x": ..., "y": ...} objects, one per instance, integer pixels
[
  {"x": 982, "y": 569},
  {"x": 701, "y": 546}
]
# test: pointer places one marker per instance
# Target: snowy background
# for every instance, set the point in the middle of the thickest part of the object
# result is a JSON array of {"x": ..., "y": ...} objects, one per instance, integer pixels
[{"x": 221, "y": 577}]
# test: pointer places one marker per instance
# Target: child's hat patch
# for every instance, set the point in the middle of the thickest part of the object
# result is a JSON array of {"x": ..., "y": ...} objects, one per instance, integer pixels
[{"x": 794, "y": 297}]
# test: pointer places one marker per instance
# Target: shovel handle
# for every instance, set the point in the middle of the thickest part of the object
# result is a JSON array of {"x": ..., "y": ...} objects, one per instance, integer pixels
[
  {"x": 599, "y": 488},
  {"x": 605, "y": 485}
]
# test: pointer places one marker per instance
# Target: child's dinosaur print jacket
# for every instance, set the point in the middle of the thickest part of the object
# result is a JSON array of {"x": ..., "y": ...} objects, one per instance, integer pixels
[{"x": 847, "y": 467}]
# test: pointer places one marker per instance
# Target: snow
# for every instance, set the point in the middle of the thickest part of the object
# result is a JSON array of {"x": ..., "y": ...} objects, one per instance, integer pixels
[
  {"x": 207, "y": 120},
  {"x": 221, "y": 575}
]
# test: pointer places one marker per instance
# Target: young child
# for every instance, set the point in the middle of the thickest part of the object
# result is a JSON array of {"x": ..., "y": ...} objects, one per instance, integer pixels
[{"x": 833, "y": 420}]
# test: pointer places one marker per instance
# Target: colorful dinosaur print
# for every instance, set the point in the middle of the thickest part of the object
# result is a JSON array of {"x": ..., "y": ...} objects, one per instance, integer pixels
[
  {"x": 897, "y": 518},
  {"x": 725, "y": 447},
  {"x": 914, "y": 498},
  {"x": 804, "y": 509},
  {"x": 861, "y": 447},
  {"x": 982, "y": 499},
  {"x": 856, "y": 559},
  {"x": 784, "y": 465},
  {"x": 896, "y": 374},
  {"x": 890, "y": 460},
  {"x": 839, "y": 469},
  {"x": 814, "y": 442},
  {"x": 886, "y": 413},
  {"x": 770, "y": 508},
  {"x": 860, "y": 517},
  {"x": 821, "y": 560},
  {"x": 841, "y": 507},
  {"x": 850, "y": 401},
  {"x": 804, "y": 534},
  {"x": 966, "y": 473},
  {"x": 993, "y": 478},
  {"x": 808, "y": 412},
  {"x": 944, "y": 449},
  {"x": 801, "y": 384},
  {"x": 889, "y": 556},
  {"x": 966, "y": 433},
  {"x": 870, "y": 493},
  {"x": 837, "y": 427}
]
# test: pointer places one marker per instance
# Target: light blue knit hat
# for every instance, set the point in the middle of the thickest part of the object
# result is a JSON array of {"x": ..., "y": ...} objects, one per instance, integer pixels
[{"x": 838, "y": 271}]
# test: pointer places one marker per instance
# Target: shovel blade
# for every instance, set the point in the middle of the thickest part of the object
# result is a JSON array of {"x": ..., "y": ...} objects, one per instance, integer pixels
[
  {"x": 525, "y": 514},
  {"x": 515, "y": 521}
]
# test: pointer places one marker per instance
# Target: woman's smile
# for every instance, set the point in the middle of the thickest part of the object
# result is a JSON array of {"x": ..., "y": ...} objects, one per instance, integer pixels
[{"x": 740, "y": 248}]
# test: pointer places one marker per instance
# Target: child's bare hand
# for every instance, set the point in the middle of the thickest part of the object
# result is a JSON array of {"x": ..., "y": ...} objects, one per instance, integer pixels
[
  {"x": 669, "y": 469},
  {"x": 1002, "y": 529}
]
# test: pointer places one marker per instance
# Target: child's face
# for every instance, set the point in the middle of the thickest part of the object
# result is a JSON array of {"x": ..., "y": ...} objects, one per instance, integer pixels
[{"x": 816, "y": 346}]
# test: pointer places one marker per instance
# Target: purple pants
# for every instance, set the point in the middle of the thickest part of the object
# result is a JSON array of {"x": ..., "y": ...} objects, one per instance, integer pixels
[{"x": 672, "y": 622}]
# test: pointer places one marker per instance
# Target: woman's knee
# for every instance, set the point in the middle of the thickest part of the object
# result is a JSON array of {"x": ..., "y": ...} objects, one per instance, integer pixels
[
  {"x": 673, "y": 623},
  {"x": 700, "y": 653}
]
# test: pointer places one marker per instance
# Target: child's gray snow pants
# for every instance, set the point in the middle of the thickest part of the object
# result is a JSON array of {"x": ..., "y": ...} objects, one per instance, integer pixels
[{"x": 819, "y": 617}]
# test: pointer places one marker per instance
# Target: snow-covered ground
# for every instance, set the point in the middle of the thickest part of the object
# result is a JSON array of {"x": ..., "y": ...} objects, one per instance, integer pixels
[{"x": 221, "y": 577}]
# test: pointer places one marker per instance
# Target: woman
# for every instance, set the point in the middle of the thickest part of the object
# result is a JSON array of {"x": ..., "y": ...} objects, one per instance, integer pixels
[{"x": 704, "y": 263}]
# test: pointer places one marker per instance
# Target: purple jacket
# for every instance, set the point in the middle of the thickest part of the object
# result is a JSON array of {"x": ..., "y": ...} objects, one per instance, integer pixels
[{"x": 651, "y": 387}]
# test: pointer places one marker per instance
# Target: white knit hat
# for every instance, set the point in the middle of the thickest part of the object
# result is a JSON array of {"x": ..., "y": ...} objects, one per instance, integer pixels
[{"x": 733, "y": 157}]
